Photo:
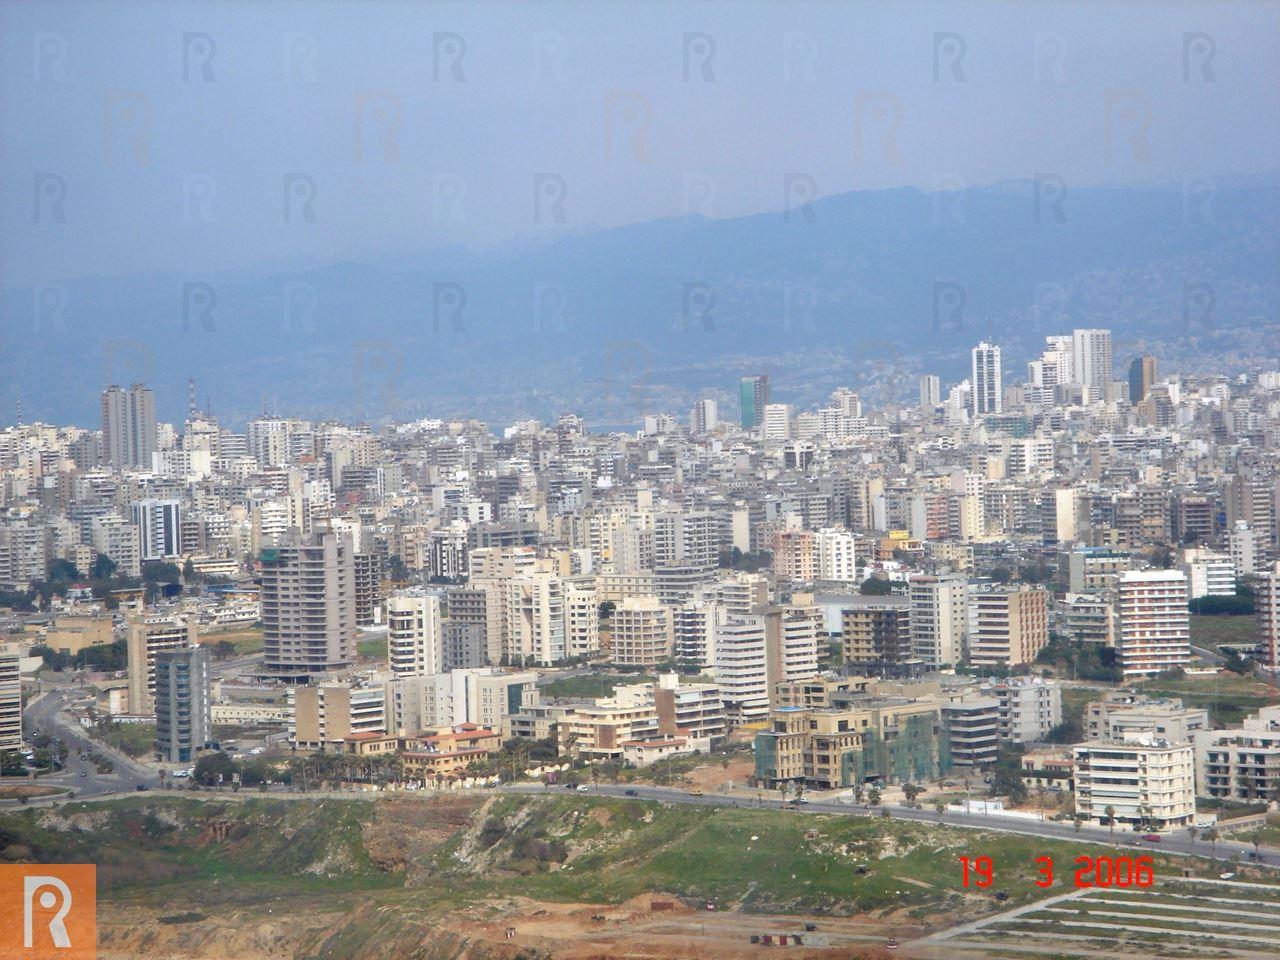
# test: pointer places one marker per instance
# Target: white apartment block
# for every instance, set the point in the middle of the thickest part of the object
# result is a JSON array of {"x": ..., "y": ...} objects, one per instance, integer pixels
[
  {"x": 794, "y": 634},
  {"x": 694, "y": 625},
  {"x": 484, "y": 696},
  {"x": 777, "y": 421},
  {"x": 414, "y": 634},
  {"x": 10, "y": 698},
  {"x": 835, "y": 555},
  {"x": 1145, "y": 780},
  {"x": 1091, "y": 358},
  {"x": 1242, "y": 763},
  {"x": 535, "y": 619},
  {"x": 939, "y": 619},
  {"x": 1155, "y": 631},
  {"x": 741, "y": 668},
  {"x": 1209, "y": 574},
  {"x": 1029, "y": 707},
  {"x": 582, "y": 617}
]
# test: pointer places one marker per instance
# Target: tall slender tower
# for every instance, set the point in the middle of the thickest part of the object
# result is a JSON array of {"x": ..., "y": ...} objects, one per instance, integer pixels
[
  {"x": 128, "y": 426},
  {"x": 988, "y": 390}
]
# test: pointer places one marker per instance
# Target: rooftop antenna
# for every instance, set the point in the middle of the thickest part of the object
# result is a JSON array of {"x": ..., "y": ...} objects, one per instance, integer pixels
[
  {"x": 19, "y": 405},
  {"x": 191, "y": 398}
]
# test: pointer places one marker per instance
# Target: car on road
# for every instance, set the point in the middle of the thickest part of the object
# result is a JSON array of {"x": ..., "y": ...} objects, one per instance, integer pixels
[
  {"x": 695, "y": 793},
  {"x": 83, "y": 773},
  {"x": 630, "y": 793},
  {"x": 142, "y": 786},
  {"x": 1151, "y": 837},
  {"x": 1256, "y": 857},
  {"x": 583, "y": 788}
]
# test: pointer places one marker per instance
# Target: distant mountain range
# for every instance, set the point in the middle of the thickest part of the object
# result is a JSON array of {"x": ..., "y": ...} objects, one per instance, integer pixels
[{"x": 860, "y": 285}]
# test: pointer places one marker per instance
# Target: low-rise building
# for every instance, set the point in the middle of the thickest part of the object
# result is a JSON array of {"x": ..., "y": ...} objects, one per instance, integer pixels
[
  {"x": 326, "y": 714},
  {"x": 1029, "y": 707},
  {"x": 1242, "y": 763},
  {"x": 1120, "y": 715},
  {"x": 880, "y": 739},
  {"x": 447, "y": 751},
  {"x": 972, "y": 726},
  {"x": 1144, "y": 782}
]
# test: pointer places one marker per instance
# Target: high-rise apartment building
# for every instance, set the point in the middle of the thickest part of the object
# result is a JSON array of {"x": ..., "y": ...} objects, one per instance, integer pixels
[
  {"x": 939, "y": 619},
  {"x": 642, "y": 632},
  {"x": 705, "y": 416},
  {"x": 777, "y": 421},
  {"x": 1008, "y": 625},
  {"x": 415, "y": 637},
  {"x": 875, "y": 634},
  {"x": 753, "y": 395},
  {"x": 308, "y": 605},
  {"x": 930, "y": 391},
  {"x": 1091, "y": 358},
  {"x": 183, "y": 714},
  {"x": 145, "y": 639},
  {"x": 159, "y": 524},
  {"x": 1266, "y": 600},
  {"x": 1154, "y": 623},
  {"x": 1142, "y": 377},
  {"x": 129, "y": 426},
  {"x": 10, "y": 698},
  {"x": 988, "y": 388}
]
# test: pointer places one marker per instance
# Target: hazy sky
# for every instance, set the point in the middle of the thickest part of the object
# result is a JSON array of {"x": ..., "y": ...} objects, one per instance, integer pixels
[{"x": 201, "y": 137}]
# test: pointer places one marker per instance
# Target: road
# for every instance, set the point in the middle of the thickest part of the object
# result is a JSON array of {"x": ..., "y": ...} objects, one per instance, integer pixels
[{"x": 43, "y": 715}]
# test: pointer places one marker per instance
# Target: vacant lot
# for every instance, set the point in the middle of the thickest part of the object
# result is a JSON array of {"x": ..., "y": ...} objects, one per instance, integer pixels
[
  {"x": 1210, "y": 631},
  {"x": 245, "y": 640},
  {"x": 589, "y": 686}
]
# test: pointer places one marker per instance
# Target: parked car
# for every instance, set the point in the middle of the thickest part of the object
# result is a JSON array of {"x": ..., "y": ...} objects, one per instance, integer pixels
[
  {"x": 695, "y": 792},
  {"x": 1152, "y": 837},
  {"x": 631, "y": 793},
  {"x": 583, "y": 788}
]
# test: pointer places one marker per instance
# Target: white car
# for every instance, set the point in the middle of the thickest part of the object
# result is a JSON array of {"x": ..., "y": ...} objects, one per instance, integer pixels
[{"x": 583, "y": 788}]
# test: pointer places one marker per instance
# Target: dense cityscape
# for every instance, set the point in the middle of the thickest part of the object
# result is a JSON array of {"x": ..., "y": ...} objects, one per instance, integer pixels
[
  {"x": 640, "y": 481},
  {"x": 1006, "y": 598}
]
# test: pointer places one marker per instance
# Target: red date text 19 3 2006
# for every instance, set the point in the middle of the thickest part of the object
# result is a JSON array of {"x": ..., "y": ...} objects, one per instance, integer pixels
[{"x": 1090, "y": 871}]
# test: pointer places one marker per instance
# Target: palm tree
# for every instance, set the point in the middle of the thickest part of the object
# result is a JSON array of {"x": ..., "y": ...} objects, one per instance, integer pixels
[
  {"x": 1212, "y": 836},
  {"x": 1110, "y": 811},
  {"x": 1193, "y": 832},
  {"x": 940, "y": 806},
  {"x": 1041, "y": 793},
  {"x": 1076, "y": 820}
]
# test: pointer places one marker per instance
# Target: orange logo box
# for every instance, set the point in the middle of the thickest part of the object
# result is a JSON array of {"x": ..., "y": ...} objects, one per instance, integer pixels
[{"x": 48, "y": 911}]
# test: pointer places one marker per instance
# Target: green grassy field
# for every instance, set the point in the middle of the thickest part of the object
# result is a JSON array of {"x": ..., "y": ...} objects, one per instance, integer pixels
[
  {"x": 374, "y": 648},
  {"x": 1227, "y": 698},
  {"x": 592, "y": 685},
  {"x": 1211, "y": 631},
  {"x": 454, "y": 853},
  {"x": 132, "y": 739},
  {"x": 246, "y": 640}
]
